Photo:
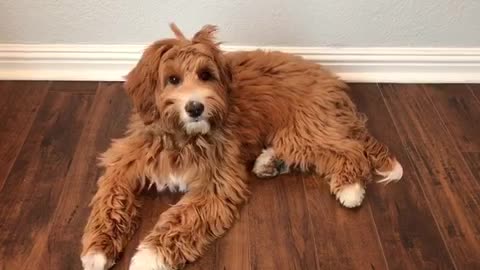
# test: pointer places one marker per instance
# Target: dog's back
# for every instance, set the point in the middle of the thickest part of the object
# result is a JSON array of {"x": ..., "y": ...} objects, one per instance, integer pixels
[{"x": 274, "y": 91}]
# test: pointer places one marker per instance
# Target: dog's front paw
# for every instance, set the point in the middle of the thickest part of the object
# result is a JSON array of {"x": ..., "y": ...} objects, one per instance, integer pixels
[
  {"x": 266, "y": 165},
  {"x": 148, "y": 258},
  {"x": 95, "y": 260}
]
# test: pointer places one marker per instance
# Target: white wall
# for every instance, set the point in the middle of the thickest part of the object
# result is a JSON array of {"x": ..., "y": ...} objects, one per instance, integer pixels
[{"x": 349, "y": 23}]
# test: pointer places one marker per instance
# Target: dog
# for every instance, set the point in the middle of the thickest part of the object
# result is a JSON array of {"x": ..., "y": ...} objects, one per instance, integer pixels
[{"x": 202, "y": 119}]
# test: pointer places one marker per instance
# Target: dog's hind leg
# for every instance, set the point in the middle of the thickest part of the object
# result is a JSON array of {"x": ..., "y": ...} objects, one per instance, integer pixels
[
  {"x": 268, "y": 165},
  {"x": 346, "y": 168},
  {"x": 348, "y": 179}
]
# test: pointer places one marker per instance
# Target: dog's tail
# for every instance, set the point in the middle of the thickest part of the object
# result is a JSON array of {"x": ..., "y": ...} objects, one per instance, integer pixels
[{"x": 383, "y": 162}]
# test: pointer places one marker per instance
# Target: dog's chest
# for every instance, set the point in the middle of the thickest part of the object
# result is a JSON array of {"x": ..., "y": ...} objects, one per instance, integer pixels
[
  {"x": 179, "y": 165},
  {"x": 173, "y": 181}
]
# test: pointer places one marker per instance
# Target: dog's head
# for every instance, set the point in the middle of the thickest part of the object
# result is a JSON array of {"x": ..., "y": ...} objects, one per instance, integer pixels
[{"x": 182, "y": 83}]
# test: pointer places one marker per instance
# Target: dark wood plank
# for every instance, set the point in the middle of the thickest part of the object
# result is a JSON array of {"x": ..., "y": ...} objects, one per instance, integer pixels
[
  {"x": 473, "y": 162},
  {"x": 407, "y": 229},
  {"x": 344, "y": 238},
  {"x": 475, "y": 88},
  {"x": 291, "y": 222},
  {"x": 459, "y": 111},
  {"x": 32, "y": 190},
  {"x": 75, "y": 87},
  {"x": 19, "y": 104},
  {"x": 107, "y": 118},
  {"x": 446, "y": 180},
  {"x": 473, "y": 157},
  {"x": 279, "y": 227},
  {"x": 233, "y": 251},
  {"x": 154, "y": 204}
]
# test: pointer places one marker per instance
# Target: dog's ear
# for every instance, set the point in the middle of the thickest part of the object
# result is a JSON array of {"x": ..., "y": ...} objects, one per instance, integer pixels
[
  {"x": 143, "y": 79},
  {"x": 206, "y": 34},
  {"x": 225, "y": 71},
  {"x": 178, "y": 33}
]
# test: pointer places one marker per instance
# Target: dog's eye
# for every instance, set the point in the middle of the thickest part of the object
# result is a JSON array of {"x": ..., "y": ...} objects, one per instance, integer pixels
[
  {"x": 174, "y": 80},
  {"x": 205, "y": 75}
]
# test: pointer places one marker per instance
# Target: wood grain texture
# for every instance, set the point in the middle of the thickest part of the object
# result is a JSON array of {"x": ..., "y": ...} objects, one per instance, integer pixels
[
  {"x": 429, "y": 220},
  {"x": 233, "y": 251},
  {"x": 154, "y": 204},
  {"x": 88, "y": 88},
  {"x": 19, "y": 105},
  {"x": 105, "y": 121},
  {"x": 406, "y": 227},
  {"x": 344, "y": 238},
  {"x": 473, "y": 158},
  {"x": 32, "y": 190},
  {"x": 446, "y": 180},
  {"x": 475, "y": 89},
  {"x": 459, "y": 111},
  {"x": 281, "y": 233}
]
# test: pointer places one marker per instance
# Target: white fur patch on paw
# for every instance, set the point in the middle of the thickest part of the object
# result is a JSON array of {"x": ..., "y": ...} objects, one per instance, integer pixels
[
  {"x": 147, "y": 259},
  {"x": 394, "y": 175},
  {"x": 264, "y": 164},
  {"x": 351, "y": 195},
  {"x": 95, "y": 261}
]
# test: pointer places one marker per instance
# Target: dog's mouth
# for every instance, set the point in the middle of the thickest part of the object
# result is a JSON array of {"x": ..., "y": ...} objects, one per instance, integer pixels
[
  {"x": 197, "y": 125},
  {"x": 197, "y": 119}
]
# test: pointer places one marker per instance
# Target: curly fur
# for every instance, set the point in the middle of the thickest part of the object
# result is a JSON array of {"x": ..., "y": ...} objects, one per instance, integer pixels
[{"x": 254, "y": 100}]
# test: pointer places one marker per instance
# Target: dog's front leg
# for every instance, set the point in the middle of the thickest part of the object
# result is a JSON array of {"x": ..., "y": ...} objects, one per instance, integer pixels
[
  {"x": 114, "y": 215},
  {"x": 113, "y": 220},
  {"x": 184, "y": 231}
]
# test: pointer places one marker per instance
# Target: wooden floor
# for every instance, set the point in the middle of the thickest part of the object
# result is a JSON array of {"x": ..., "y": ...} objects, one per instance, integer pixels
[{"x": 51, "y": 133}]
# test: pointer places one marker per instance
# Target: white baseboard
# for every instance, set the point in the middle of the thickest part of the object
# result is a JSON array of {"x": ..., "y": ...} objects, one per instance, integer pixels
[{"x": 368, "y": 64}]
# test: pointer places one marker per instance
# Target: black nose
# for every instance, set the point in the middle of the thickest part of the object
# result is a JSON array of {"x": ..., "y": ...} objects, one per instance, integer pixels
[{"x": 194, "y": 108}]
